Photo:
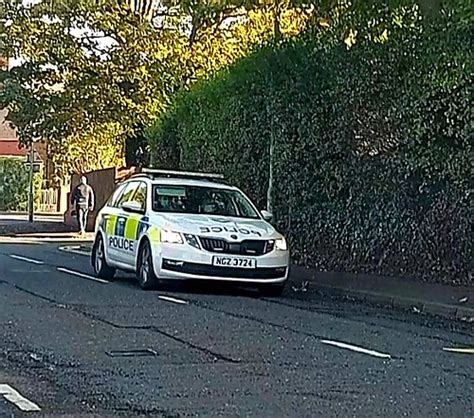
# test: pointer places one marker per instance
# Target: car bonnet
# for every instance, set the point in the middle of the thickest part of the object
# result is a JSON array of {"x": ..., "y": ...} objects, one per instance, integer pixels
[{"x": 217, "y": 226}]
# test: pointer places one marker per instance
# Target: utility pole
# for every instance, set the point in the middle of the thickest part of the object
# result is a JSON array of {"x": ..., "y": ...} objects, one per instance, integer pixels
[
  {"x": 271, "y": 111},
  {"x": 271, "y": 168}
]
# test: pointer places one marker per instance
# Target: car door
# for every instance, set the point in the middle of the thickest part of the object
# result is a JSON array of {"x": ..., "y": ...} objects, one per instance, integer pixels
[
  {"x": 133, "y": 225},
  {"x": 116, "y": 220},
  {"x": 107, "y": 213}
]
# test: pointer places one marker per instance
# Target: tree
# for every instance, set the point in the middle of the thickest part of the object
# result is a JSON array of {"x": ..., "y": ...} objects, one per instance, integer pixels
[
  {"x": 89, "y": 149},
  {"x": 81, "y": 67},
  {"x": 109, "y": 64},
  {"x": 88, "y": 64}
]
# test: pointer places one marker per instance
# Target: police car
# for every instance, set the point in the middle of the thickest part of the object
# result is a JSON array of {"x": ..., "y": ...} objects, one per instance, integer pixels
[{"x": 166, "y": 225}]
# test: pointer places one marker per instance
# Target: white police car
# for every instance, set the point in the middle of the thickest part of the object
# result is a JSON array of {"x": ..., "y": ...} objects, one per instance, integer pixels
[{"x": 176, "y": 225}]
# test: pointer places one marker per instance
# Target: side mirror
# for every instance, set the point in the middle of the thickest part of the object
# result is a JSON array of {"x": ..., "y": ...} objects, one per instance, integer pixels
[
  {"x": 133, "y": 207},
  {"x": 266, "y": 215}
]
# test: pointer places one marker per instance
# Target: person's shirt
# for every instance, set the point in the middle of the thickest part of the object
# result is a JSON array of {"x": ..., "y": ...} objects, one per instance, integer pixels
[{"x": 83, "y": 196}]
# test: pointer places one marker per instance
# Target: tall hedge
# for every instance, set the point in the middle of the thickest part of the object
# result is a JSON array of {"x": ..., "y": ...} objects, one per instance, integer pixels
[
  {"x": 373, "y": 148},
  {"x": 14, "y": 185}
]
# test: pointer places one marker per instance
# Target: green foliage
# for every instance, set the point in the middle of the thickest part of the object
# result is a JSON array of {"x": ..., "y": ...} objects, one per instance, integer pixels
[
  {"x": 89, "y": 149},
  {"x": 14, "y": 185},
  {"x": 88, "y": 64},
  {"x": 83, "y": 65},
  {"x": 373, "y": 144}
]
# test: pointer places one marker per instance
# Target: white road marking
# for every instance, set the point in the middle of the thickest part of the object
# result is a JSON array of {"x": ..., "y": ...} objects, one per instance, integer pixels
[
  {"x": 14, "y": 397},
  {"x": 170, "y": 299},
  {"x": 459, "y": 350},
  {"x": 83, "y": 275},
  {"x": 28, "y": 260},
  {"x": 76, "y": 249},
  {"x": 355, "y": 348},
  {"x": 42, "y": 240}
]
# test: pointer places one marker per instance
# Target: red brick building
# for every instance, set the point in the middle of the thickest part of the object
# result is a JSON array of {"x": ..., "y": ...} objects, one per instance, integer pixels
[
  {"x": 9, "y": 146},
  {"x": 8, "y": 140}
]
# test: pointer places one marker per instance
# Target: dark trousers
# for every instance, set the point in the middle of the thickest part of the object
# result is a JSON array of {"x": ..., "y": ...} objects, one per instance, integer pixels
[{"x": 81, "y": 213}]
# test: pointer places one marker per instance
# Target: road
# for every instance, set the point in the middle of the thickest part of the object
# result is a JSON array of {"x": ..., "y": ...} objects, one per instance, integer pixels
[{"x": 74, "y": 346}]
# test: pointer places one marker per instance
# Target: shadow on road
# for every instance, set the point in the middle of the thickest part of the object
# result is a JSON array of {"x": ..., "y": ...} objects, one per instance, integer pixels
[{"x": 201, "y": 287}]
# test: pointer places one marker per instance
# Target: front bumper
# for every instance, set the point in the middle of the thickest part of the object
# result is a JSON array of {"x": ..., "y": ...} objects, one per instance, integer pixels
[{"x": 186, "y": 262}]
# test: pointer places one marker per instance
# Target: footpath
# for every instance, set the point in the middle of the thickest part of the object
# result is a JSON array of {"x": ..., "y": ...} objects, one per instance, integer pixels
[
  {"x": 455, "y": 302},
  {"x": 12, "y": 224},
  {"x": 420, "y": 297},
  {"x": 46, "y": 227}
]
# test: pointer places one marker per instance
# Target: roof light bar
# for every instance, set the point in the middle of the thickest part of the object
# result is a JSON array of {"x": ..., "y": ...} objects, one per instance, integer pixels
[{"x": 183, "y": 174}]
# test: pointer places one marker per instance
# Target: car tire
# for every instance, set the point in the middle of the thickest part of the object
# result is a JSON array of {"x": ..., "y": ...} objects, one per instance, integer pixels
[
  {"x": 145, "y": 270},
  {"x": 99, "y": 263},
  {"x": 272, "y": 290}
]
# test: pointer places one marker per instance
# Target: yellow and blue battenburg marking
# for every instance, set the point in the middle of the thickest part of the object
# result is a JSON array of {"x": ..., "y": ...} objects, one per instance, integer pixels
[
  {"x": 154, "y": 234},
  {"x": 143, "y": 226},
  {"x": 131, "y": 227},
  {"x": 120, "y": 226}
]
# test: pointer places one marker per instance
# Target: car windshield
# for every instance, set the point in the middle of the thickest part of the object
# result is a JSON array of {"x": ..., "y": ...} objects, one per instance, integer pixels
[{"x": 202, "y": 200}]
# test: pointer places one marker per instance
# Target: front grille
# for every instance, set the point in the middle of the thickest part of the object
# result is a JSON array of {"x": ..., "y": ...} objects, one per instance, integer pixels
[
  {"x": 208, "y": 270},
  {"x": 249, "y": 247}
]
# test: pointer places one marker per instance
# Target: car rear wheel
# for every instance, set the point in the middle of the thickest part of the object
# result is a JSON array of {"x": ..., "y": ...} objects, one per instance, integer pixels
[
  {"x": 99, "y": 263},
  {"x": 145, "y": 271},
  {"x": 272, "y": 290}
]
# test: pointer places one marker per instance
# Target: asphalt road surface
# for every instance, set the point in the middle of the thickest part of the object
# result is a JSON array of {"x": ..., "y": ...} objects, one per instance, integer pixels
[{"x": 74, "y": 346}]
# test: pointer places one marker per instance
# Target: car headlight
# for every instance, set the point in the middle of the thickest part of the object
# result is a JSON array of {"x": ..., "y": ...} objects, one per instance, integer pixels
[
  {"x": 281, "y": 245},
  {"x": 171, "y": 237}
]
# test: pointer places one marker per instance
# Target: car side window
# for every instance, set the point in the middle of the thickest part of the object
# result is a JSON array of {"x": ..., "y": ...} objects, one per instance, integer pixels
[
  {"x": 115, "y": 195},
  {"x": 127, "y": 194},
  {"x": 244, "y": 207},
  {"x": 140, "y": 195}
]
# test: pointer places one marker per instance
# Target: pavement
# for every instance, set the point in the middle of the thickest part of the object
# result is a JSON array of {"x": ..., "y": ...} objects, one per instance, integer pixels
[
  {"x": 8, "y": 218},
  {"x": 420, "y": 297},
  {"x": 13, "y": 224},
  {"x": 76, "y": 346}
]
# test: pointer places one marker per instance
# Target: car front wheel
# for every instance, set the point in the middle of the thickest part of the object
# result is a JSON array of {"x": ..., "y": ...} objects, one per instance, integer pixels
[
  {"x": 99, "y": 263},
  {"x": 145, "y": 271}
]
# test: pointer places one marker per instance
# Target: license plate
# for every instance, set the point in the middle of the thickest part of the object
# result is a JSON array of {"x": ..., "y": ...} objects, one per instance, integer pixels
[{"x": 234, "y": 262}]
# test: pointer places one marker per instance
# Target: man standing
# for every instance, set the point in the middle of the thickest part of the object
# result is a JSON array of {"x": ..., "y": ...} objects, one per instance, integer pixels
[{"x": 82, "y": 198}]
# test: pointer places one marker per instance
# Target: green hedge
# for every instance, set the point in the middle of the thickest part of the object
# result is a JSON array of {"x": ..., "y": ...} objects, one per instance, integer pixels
[
  {"x": 14, "y": 185},
  {"x": 373, "y": 148}
]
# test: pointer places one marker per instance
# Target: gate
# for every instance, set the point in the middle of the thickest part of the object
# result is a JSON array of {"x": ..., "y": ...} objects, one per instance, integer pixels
[{"x": 48, "y": 198}]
